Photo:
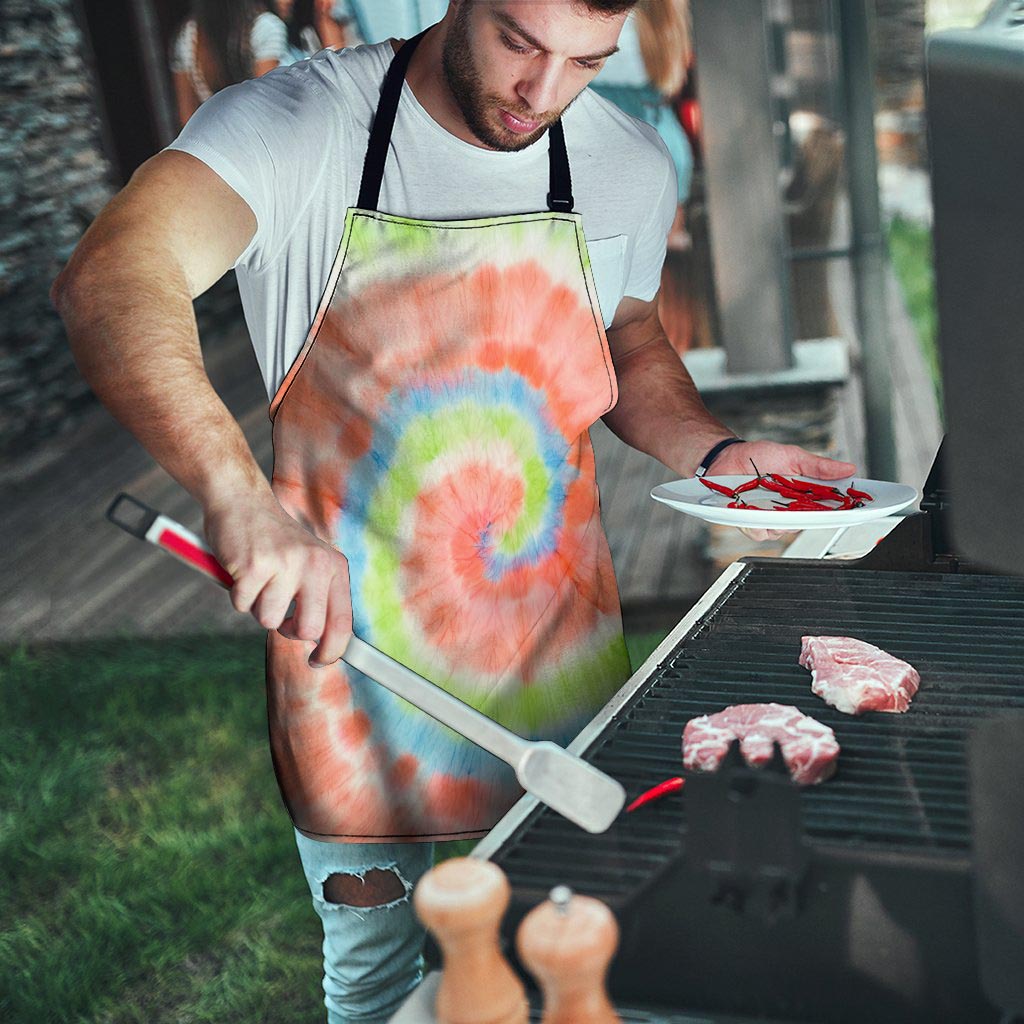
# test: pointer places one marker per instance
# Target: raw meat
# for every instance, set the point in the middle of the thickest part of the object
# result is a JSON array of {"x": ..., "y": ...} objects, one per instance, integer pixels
[
  {"x": 855, "y": 677},
  {"x": 809, "y": 748}
]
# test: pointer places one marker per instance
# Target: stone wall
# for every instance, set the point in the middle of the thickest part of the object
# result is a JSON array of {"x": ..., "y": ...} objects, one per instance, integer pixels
[{"x": 54, "y": 178}]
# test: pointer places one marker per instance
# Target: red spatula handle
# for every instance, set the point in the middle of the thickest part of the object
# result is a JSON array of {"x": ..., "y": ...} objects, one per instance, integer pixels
[
  {"x": 147, "y": 524},
  {"x": 563, "y": 781}
]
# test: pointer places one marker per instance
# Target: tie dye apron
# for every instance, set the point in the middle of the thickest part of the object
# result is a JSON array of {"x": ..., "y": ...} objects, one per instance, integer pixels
[{"x": 434, "y": 429}]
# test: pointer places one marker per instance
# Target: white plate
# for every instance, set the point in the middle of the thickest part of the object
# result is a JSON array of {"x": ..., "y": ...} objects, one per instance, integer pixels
[{"x": 693, "y": 498}]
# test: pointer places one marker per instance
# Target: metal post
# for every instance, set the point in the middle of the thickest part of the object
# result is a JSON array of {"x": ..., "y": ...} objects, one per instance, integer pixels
[
  {"x": 868, "y": 239},
  {"x": 748, "y": 236}
]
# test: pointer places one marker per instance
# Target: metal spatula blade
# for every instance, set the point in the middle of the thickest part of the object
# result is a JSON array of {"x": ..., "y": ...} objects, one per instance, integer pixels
[
  {"x": 571, "y": 786},
  {"x": 563, "y": 781},
  {"x": 566, "y": 783}
]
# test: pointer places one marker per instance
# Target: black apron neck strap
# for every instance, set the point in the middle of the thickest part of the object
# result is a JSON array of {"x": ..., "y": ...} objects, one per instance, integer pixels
[
  {"x": 383, "y": 122},
  {"x": 559, "y": 197}
]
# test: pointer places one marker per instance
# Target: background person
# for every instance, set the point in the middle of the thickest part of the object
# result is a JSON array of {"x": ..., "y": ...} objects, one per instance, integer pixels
[
  {"x": 314, "y": 24},
  {"x": 373, "y": 21},
  {"x": 221, "y": 43},
  {"x": 647, "y": 75}
]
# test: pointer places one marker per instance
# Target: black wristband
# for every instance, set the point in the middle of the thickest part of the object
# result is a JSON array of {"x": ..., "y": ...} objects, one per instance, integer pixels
[{"x": 705, "y": 463}]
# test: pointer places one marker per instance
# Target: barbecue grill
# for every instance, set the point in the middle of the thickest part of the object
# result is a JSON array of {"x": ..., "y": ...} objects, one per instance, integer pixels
[
  {"x": 744, "y": 895},
  {"x": 893, "y": 892}
]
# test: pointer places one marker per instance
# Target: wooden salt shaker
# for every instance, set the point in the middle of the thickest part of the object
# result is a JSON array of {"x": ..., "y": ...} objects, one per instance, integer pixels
[
  {"x": 567, "y": 943},
  {"x": 462, "y": 902}
]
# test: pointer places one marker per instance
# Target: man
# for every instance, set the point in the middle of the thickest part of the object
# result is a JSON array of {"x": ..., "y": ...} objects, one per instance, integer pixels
[{"x": 493, "y": 293}]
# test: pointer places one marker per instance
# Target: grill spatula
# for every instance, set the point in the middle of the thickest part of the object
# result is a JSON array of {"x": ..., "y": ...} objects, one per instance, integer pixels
[{"x": 564, "y": 782}]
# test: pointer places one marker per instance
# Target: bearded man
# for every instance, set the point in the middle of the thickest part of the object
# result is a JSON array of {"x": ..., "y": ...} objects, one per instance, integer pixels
[{"x": 449, "y": 252}]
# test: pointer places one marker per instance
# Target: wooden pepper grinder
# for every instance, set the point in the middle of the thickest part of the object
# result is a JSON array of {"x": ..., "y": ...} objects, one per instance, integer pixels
[
  {"x": 567, "y": 943},
  {"x": 462, "y": 902}
]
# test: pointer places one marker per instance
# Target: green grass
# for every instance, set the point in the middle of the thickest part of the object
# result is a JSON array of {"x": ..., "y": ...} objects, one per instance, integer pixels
[
  {"x": 147, "y": 867},
  {"x": 910, "y": 246}
]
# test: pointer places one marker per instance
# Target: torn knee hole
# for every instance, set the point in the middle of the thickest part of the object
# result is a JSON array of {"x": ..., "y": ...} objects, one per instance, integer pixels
[{"x": 373, "y": 889}]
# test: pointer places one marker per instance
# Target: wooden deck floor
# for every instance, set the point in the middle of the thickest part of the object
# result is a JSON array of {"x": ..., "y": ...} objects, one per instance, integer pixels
[
  {"x": 78, "y": 576},
  {"x": 71, "y": 574}
]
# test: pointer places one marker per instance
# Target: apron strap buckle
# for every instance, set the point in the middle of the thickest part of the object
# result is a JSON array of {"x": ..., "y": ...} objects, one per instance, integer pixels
[{"x": 560, "y": 204}]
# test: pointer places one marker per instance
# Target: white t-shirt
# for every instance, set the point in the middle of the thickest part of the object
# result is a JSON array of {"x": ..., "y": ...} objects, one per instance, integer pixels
[{"x": 292, "y": 144}]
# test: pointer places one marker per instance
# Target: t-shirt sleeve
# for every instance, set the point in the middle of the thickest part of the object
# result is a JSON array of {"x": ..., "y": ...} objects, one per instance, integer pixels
[
  {"x": 651, "y": 240},
  {"x": 269, "y": 38},
  {"x": 268, "y": 139}
]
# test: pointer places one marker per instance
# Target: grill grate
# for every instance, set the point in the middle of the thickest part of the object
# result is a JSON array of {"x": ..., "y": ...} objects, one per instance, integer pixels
[{"x": 902, "y": 779}]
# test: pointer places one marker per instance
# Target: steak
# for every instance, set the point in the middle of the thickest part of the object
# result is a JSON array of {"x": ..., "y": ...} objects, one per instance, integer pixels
[
  {"x": 855, "y": 677},
  {"x": 809, "y": 748}
]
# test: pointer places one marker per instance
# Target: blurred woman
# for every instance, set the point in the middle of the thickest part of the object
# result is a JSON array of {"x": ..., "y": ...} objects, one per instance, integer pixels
[
  {"x": 648, "y": 73},
  {"x": 221, "y": 43},
  {"x": 314, "y": 24},
  {"x": 645, "y": 78}
]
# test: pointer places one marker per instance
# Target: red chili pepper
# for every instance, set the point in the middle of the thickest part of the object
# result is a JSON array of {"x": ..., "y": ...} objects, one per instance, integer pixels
[
  {"x": 721, "y": 488},
  {"x": 793, "y": 485},
  {"x": 789, "y": 492},
  {"x": 806, "y": 505},
  {"x": 773, "y": 485},
  {"x": 747, "y": 504},
  {"x": 808, "y": 487},
  {"x": 750, "y": 485},
  {"x": 656, "y": 793},
  {"x": 740, "y": 503},
  {"x": 863, "y": 495}
]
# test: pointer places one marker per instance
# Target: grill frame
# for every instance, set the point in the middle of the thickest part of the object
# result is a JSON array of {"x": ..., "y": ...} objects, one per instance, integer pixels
[{"x": 853, "y": 890}]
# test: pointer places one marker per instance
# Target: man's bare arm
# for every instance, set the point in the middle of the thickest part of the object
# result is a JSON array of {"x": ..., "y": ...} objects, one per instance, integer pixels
[
  {"x": 126, "y": 300},
  {"x": 659, "y": 409},
  {"x": 661, "y": 412}
]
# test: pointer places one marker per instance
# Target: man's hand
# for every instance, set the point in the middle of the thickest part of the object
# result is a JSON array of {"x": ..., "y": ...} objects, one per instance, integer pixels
[
  {"x": 126, "y": 299},
  {"x": 275, "y": 561},
  {"x": 660, "y": 412},
  {"x": 771, "y": 457}
]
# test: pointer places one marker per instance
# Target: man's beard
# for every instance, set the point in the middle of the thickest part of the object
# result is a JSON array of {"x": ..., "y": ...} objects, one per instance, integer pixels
[{"x": 463, "y": 80}]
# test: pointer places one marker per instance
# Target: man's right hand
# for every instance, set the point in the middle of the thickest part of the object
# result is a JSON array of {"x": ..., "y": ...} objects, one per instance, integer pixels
[
  {"x": 126, "y": 300},
  {"x": 274, "y": 561}
]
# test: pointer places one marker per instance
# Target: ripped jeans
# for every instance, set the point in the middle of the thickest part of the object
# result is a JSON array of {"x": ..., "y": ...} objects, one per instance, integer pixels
[{"x": 372, "y": 950}]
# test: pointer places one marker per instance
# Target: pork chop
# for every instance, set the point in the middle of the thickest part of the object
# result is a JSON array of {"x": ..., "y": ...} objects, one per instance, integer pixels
[
  {"x": 809, "y": 748},
  {"x": 854, "y": 677}
]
